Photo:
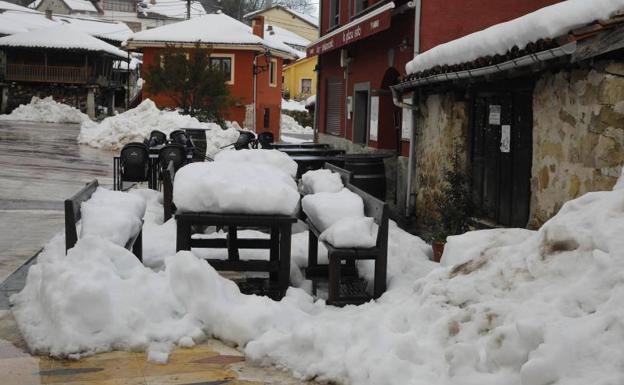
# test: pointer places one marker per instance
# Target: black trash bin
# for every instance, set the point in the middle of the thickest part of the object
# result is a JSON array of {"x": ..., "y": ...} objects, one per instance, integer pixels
[{"x": 369, "y": 172}]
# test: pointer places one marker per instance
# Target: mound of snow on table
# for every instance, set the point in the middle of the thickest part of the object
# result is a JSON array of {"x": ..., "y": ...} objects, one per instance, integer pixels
[
  {"x": 235, "y": 187},
  {"x": 546, "y": 310},
  {"x": 274, "y": 158},
  {"x": 46, "y": 110},
  {"x": 323, "y": 180},
  {"x": 136, "y": 124}
]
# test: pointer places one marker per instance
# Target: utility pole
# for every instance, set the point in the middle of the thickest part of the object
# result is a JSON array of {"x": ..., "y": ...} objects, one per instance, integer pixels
[{"x": 188, "y": 9}]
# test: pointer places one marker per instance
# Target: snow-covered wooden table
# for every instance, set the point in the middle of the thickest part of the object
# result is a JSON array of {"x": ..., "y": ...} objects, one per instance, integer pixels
[{"x": 278, "y": 265}]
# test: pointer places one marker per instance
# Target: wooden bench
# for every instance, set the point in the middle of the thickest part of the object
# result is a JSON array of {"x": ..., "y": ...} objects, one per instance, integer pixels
[
  {"x": 374, "y": 208},
  {"x": 73, "y": 215}
]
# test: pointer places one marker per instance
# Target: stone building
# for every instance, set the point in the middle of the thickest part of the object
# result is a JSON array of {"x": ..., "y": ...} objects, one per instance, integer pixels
[{"x": 537, "y": 125}]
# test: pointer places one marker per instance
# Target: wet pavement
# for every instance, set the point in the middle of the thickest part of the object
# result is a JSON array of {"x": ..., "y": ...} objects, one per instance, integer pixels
[{"x": 40, "y": 166}]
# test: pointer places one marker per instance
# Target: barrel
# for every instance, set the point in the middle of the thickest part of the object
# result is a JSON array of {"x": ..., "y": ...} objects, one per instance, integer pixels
[{"x": 369, "y": 173}]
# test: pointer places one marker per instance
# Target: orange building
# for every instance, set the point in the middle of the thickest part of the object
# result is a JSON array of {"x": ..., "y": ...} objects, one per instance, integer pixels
[{"x": 252, "y": 64}]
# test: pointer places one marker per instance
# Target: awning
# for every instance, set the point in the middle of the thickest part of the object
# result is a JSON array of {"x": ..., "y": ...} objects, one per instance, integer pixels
[{"x": 360, "y": 28}]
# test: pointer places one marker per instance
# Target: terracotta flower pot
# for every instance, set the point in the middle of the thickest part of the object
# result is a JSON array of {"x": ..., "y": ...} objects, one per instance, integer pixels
[{"x": 438, "y": 250}]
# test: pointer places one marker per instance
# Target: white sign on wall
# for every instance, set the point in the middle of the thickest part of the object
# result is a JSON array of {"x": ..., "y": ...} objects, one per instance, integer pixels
[
  {"x": 407, "y": 122},
  {"x": 505, "y": 145},
  {"x": 374, "y": 118},
  {"x": 495, "y": 115}
]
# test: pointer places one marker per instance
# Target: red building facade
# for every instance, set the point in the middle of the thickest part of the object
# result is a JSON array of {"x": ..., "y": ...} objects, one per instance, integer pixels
[{"x": 364, "y": 47}]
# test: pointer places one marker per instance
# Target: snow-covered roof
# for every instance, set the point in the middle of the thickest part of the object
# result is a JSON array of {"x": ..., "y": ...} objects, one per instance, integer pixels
[
  {"x": 215, "y": 28},
  {"x": 116, "y": 31},
  {"x": 5, "y": 5},
  {"x": 287, "y": 39},
  {"x": 312, "y": 20},
  {"x": 60, "y": 37},
  {"x": 546, "y": 23},
  {"x": 12, "y": 22},
  {"x": 81, "y": 5},
  {"x": 175, "y": 9}
]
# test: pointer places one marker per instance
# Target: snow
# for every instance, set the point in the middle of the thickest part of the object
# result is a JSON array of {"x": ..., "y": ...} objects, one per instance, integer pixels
[
  {"x": 308, "y": 18},
  {"x": 463, "y": 248},
  {"x": 311, "y": 101},
  {"x": 111, "y": 30},
  {"x": 324, "y": 209},
  {"x": 290, "y": 126},
  {"x": 289, "y": 41},
  {"x": 274, "y": 158},
  {"x": 46, "y": 110},
  {"x": 12, "y": 22},
  {"x": 235, "y": 187},
  {"x": 545, "y": 309},
  {"x": 317, "y": 181},
  {"x": 351, "y": 232},
  {"x": 293, "y": 105},
  {"x": 135, "y": 125},
  {"x": 215, "y": 28},
  {"x": 112, "y": 215},
  {"x": 60, "y": 37},
  {"x": 5, "y": 5},
  {"x": 549, "y": 22}
]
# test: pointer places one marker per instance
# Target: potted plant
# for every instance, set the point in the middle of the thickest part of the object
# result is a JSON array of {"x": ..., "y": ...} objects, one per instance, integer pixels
[{"x": 453, "y": 205}]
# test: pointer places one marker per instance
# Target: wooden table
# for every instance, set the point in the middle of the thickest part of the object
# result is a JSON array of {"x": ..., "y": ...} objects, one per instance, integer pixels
[
  {"x": 279, "y": 146},
  {"x": 311, "y": 151},
  {"x": 278, "y": 265},
  {"x": 314, "y": 162}
]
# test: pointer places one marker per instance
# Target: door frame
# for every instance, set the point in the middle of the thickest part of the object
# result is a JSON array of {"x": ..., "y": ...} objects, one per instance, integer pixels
[{"x": 361, "y": 87}]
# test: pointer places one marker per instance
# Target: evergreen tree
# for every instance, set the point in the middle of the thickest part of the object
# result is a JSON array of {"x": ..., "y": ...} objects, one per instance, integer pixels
[{"x": 189, "y": 79}]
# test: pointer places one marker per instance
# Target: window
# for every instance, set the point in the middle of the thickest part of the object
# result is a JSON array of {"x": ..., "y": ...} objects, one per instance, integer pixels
[
  {"x": 306, "y": 86},
  {"x": 273, "y": 73},
  {"x": 334, "y": 13},
  {"x": 225, "y": 64},
  {"x": 360, "y": 5}
]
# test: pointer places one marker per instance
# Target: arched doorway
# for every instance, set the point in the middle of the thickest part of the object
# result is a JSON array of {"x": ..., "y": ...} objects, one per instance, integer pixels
[{"x": 389, "y": 114}]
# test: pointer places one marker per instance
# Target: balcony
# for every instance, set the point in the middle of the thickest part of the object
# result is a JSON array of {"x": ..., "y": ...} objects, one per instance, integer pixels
[{"x": 47, "y": 74}]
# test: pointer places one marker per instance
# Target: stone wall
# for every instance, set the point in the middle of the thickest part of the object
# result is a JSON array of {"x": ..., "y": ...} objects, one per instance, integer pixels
[
  {"x": 441, "y": 126},
  {"x": 578, "y": 136}
]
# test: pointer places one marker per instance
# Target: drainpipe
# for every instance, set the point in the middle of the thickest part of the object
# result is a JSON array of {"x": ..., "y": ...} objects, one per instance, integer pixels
[
  {"x": 396, "y": 99},
  {"x": 417, "y": 13},
  {"x": 255, "y": 91}
]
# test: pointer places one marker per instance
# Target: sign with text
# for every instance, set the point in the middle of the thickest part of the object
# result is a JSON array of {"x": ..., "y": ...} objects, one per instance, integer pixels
[{"x": 351, "y": 34}]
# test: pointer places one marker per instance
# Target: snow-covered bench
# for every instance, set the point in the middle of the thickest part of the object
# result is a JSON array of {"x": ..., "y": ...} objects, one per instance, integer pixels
[
  {"x": 73, "y": 214},
  {"x": 373, "y": 208}
]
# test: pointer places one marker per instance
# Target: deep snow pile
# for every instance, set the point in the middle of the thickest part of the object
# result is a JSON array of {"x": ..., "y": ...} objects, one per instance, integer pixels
[
  {"x": 546, "y": 310},
  {"x": 231, "y": 187},
  {"x": 274, "y": 158},
  {"x": 46, "y": 110},
  {"x": 323, "y": 180},
  {"x": 135, "y": 125},
  {"x": 546, "y": 23},
  {"x": 293, "y": 105},
  {"x": 290, "y": 126}
]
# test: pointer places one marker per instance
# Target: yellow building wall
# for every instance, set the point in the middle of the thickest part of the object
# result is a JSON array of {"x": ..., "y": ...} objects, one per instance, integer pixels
[
  {"x": 283, "y": 19},
  {"x": 294, "y": 73}
]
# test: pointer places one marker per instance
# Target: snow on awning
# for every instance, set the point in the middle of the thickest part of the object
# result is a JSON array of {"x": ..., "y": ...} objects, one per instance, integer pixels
[{"x": 360, "y": 28}]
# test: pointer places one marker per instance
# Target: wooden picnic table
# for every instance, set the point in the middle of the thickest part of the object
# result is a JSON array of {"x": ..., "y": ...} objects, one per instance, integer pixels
[{"x": 280, "y": 226}]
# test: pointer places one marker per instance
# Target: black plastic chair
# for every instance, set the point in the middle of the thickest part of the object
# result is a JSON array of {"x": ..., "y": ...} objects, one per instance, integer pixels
[
  {"x": 266, "y": 139},
  {"x": 156, "y": 138},
  {"x": 172, "y": 152},
  {"x": 134, "y": 163},
  {"x": 244, "y": 139},
  {"x": 180, "y": 137}
]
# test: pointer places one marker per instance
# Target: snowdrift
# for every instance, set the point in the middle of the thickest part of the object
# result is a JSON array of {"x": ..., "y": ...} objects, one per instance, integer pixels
[
  {"x": 46, "y": 110},
  {"x": 545, "y": 309},
  {"x": 135, "y": 125}
]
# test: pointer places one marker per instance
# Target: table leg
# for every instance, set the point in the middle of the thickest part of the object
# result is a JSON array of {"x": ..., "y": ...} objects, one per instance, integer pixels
[
  {"x": 274, "y": 251},
  {"x": 232, "y": 243},
  {"x": 284, "y": 257},
  {"x": 183, "y": 235},
  {"x": 334, "y": 279},
  {"x": 312, "y": 249}
]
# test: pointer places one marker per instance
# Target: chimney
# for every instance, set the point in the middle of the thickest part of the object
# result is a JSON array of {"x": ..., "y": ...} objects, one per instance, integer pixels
[
  {"x": 257, "y": 25},
  {"x": 48, "y": 14}
]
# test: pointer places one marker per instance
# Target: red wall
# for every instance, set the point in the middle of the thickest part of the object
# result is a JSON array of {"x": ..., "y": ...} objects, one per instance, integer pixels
[
  {"x": 241, "y": 90},
  {"x": 446, "y": 20}
]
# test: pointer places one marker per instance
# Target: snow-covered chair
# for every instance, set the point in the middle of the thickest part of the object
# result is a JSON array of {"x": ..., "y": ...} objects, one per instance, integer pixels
[{"x": 374, "y": 208}]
